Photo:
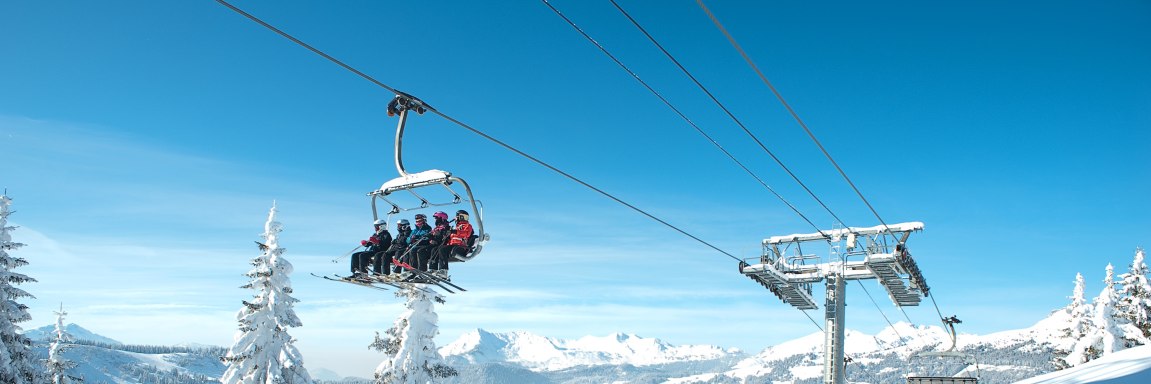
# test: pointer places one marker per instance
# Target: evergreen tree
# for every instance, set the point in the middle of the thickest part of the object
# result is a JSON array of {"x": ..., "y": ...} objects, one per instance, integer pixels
[
  {"x": 1078, "y": 309},
  {"x": 263, "y": 351},
  {"x": 1104, "y": 319},
  {"x": 1135, "y": 303},
  {"x": 1107, "y": 332},
  {"x": 58, "y": 366},
  {"x": 17, "y": 361},
  {"x": 1078, "y": 323},
  {"x": 412, "y": 357}
]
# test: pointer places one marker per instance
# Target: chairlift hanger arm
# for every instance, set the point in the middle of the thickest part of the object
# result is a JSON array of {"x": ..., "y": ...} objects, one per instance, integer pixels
[{"x": 400, "y": 105}]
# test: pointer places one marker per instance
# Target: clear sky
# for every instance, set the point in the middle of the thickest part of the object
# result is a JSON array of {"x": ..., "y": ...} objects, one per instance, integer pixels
[{"x": 144, "y": 142}]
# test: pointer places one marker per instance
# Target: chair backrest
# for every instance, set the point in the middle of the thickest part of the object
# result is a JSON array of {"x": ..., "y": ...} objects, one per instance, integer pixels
[{"x": 471, "y": 244}]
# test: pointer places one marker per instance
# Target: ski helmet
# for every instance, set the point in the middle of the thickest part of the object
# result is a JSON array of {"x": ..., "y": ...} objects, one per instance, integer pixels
[
  {"x": 380, "y": 222},
  {"x": 462, "y": 214},
  {"x": 402, "y": 223},
  {"x": 420, "y": 216},
  {"x": 440, "y": 215}
]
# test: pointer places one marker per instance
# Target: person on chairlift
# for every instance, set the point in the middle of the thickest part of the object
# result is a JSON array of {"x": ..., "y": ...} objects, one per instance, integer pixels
[
  {"x": 459, "y": 243},
  {"x": 395, "y": 249},
  {"x": 436, "y": 238},
  {"x": 373, "y": 245},
  {"x": 418, "y": 238}
]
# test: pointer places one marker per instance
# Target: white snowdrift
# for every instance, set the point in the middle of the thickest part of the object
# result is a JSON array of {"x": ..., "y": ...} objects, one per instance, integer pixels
[{"x": 1126, "y": 366}]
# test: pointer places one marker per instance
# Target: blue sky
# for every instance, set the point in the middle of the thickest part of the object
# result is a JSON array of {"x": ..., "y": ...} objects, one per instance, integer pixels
[{"x": 144, "y": 142}]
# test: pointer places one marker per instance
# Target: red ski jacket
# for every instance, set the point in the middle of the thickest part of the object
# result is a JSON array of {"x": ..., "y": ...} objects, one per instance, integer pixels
[{"x": 462, "y": 233}]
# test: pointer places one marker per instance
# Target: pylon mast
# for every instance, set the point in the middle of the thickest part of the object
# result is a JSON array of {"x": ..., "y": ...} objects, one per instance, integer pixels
[{"x": 788, "y": 271}]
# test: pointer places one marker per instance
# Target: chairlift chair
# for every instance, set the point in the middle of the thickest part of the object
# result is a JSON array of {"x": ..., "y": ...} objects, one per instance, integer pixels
[
  {"x": 418, "y": 184},
  {"x": 951, "y": 354}
]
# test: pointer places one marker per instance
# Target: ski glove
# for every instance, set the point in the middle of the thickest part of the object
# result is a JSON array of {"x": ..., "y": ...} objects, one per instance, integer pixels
[{"x": 363, "y": 243}]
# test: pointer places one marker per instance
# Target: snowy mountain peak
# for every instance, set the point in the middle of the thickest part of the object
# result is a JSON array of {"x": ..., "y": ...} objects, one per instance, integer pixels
[
  {"x": 547, "y": 354},
  {"x": 48, "y": 332}
]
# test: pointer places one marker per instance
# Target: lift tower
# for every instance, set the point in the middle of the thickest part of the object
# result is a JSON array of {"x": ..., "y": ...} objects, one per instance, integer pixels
[{"x": 789, "y": 271}]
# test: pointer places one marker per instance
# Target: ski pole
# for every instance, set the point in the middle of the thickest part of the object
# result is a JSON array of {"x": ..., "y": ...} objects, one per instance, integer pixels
[
  {"x": 411, "y": 247},
  {"x": 337, "y": 260}
]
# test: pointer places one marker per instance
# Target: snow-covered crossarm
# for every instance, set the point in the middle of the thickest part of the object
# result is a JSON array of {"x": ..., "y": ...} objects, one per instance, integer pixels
[
  {"x": 791, "y": 283},
  {"x": 836, "y": 234}
]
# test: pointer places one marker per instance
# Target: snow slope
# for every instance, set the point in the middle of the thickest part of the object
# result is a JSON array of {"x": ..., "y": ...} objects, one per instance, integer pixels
[
  {"x": 1126, "y": 366},
  {"x": 901, "y": 339},
  {"x": 110, "y": 361},
  {"x": 104, "y": 365}
]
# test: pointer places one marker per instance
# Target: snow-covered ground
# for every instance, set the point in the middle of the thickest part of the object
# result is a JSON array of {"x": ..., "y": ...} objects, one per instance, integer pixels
[{"x": 1127, "y": 366}]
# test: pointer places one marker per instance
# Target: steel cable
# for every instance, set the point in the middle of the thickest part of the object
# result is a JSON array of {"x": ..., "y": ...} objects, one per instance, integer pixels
[
  {"x": 727, "y": 111},
  {"x": 476, "y": 131},
  {"x": 681, "y": 114}
]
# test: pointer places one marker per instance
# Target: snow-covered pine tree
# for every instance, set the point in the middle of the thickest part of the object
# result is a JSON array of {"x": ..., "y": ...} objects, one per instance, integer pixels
[
  {"x": 1078, "y": 323},
  {"x": 412, "y": 357},
  {"x": 263, "y": 350},
  {"x": 1107, "y": 332},
  {"x": 18, "y": 364},
  {"x": 58, "y": 365},
  {"x": 1135, "y": 302}
]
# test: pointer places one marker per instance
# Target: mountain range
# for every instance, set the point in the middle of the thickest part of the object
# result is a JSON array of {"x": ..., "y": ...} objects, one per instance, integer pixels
[
  {"x": 103, "y": 360},
  {"x": 520, "y": 357}
]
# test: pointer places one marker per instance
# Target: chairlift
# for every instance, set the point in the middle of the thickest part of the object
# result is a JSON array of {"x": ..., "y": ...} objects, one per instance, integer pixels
[
  {"x": 949, "y": 355},
  {"x": 424, "y": 187}
]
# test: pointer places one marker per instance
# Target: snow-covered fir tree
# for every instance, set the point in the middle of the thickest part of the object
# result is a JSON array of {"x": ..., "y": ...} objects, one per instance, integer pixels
[
  {"x": 412, "y": 357},
  {"x": 263, "y": 351},
  {"x": 1079, "y": 311},
  {"x": 58, "y": 365},
  {"x": 1135, "y": 303},
  {"x": 18, "y": 364},
  {"x": 1108, "y": 333},
  {"x": 1078, "y": 322}
]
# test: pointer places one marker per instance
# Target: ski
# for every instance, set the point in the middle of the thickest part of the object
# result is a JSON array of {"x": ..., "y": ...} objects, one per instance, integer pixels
[
  {"x": 420, "y": 277},
  {"x": 442, "y": 281},
  {"x": 425, "y": 275},
  {"x": 380, "y": 279},
  {"x": 395, "y": 283},
  {"x": 369, "y": 282},
  {"x": 340, "y": 279}
]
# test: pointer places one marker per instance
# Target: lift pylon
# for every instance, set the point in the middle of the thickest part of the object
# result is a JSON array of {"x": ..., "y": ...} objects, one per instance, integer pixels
[{"x": 788, "y": 271}]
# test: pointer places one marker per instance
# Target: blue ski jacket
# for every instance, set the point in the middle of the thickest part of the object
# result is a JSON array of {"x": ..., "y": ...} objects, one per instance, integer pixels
[{"x": 419, "y": 231}]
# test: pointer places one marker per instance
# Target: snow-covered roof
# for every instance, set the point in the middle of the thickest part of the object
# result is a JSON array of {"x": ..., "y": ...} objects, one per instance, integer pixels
[{"x": 419, "y": 179}]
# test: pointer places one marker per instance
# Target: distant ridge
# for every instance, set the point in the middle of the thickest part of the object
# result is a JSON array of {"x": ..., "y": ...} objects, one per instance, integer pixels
[
  {"x": 492, "y": 357},
  {"x": 549, "y": 354},
  {"x": 48, "y": 332}
]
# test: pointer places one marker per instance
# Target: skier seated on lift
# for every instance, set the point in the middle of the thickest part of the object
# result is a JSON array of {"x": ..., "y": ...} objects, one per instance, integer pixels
[
  {"x": 395, "y": 249},
  {"x": 459, "y": 243},
  {"x": 375, "y": 244},
  {"x": 436, "y": 238},
  {"x": 418, "y": 237}
]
